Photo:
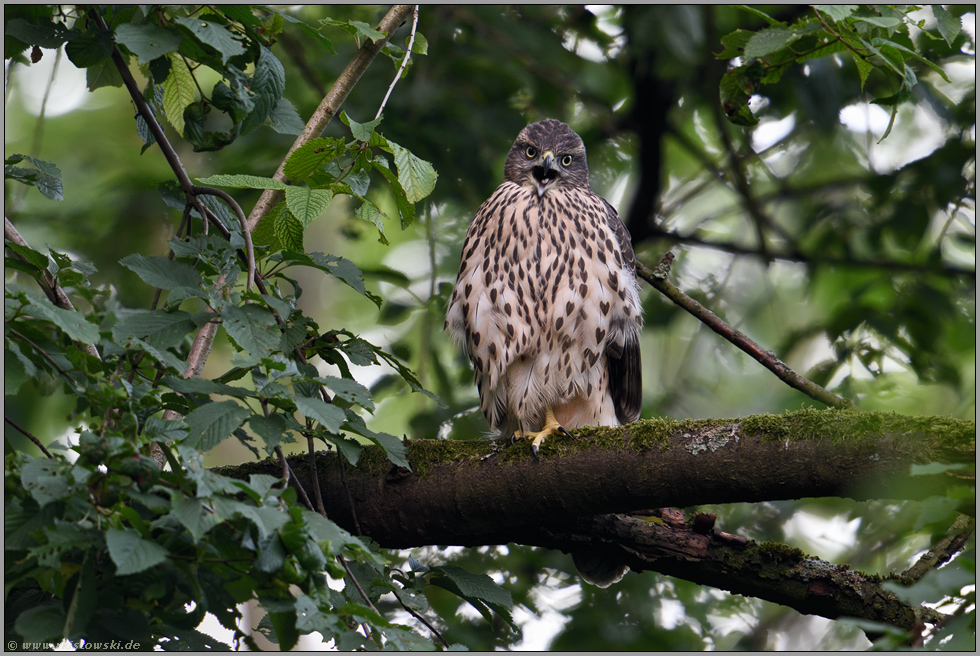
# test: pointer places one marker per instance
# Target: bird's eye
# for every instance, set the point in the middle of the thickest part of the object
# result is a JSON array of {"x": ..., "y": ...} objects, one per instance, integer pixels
[
  {"x": 566, "y": 160},
  {"x": 531, "y": 152}
]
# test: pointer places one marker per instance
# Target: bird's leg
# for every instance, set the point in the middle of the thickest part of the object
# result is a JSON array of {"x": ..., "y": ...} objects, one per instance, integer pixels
[{"x": 551, "y": 426}]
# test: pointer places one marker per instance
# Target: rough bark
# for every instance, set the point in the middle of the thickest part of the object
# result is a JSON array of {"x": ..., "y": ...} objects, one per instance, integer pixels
[{"x": 480, "y": 492}]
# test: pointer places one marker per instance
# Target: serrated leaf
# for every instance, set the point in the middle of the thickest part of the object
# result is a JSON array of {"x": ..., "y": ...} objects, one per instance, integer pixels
[
  {"x": 863, "y": 66},
  {"x": 369, "y": 212},
  {"x": 416, "y": 176},
  {"x": 307, "y": 204},
  {"x": 879, "y": 21},
  {"x": 253, "y": 328},
  {"x": 359, "y": 29},
  {"x": 768, "y": 41},
  {"x": 89, "y": 48},
  {"x": 271, "y": 429},
  {"x": 311, "y": 156},
  {"x": 911, "y": 53},
  {"x": 949, "y": 26},
  {"x": 131, "y": 553},
  {"x": 212, "y": 423},
  {"x": 149, "y": 41},
  {"x": 421, "y": 45},
  {"x": 36, "y": 260},
  {"x": 479, "y": 586},
  {"x": 349, "y": 390},
  {"x": 734, "y": 43},
  {"x": 360, "y": 131},
  {"x": 288, "y": 230},
  {"x": 47, "y": 34},
  {"x": 178, "y": 92},
  {"x": 836, "y": 12},
  {"x": 284, "y": 119},
  {"x": 46, "y": 176},
  {"x": 103, "y": 75},
  {"x": 341, "y": 268},
  {"x": 394, "y": 448},
  {"x": 45, "y": 480},
  {"x": 311, "y": 32},
  {"x": 268, "y": 85},
  {"x": 405, "y": 207},
  {"x": 241, "y": 181},
  {"x": 195, "y": 515},
  {"x": 204, "y": 386},
  {"x": 158, "y": 271},
  {"x": 161, "y": 328},
  {"x": 328, "y": 415},
  {"x": 72, "y": 323},
  {"x": 214, "y": 35},
  {"x": 267, "y": 520}
]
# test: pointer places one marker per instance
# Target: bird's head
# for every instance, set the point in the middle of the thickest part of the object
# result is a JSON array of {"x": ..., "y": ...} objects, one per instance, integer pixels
[{"x": 546, "y": 155}]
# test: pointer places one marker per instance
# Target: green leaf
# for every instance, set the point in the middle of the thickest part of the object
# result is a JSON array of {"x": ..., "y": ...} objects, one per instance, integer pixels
[
  {"x": 241, "y": 181},
  {"x": 204, "y": 386},
  {"x": 253, "y": 328},
  {"x": 212, "y": 423},
  {"x": 421, "y": 45},
  {"x": 760, "y": 14},
  {"x": 769, "y": 40},
  {"x": 349, "y": 390},
  {"x": 339, "y": 267},
  {"x": 214, "y": 35},
  {"x": 89, "y": 48},
  {"x": 195, "y": 514},
  {"x": 307, "y": 204},
  {"x": 949, "y": 26},
  {"x": 369, "y": 212},
  {"x": 42, "y": 623},
  {"x": 131, "y": 553},
  {"x": 103, "y": 75},
  {"x": 911, "y": 53},
  {"x": 45, "y": 480},
  {"x": 394, "y": 448},
  {"x": 268, "y": 520},
  {"x": 361, "y": 131},
  {"x": 271, "y": 429},
  {"x": 288, "y": 230},
  {"x": 47, "y": 35},
  {"x": 359, "y": 29},
  {"x": 178, "y": 92},
  {"x": 38, "y": 261},
  {"x": 158, "y": 271},
  {"x": 879, "y": 21},
  {"x": 328, "y": 415},
  {"x": 417, "y": 177},
  {"x": 311, "y": 156},
  {"x": 311, "y": 32},
  {"x": 149, "y": 41},
  {"x": 72, "y": 323},
  {"x": 284, "y": 119},
  {"x": 46, "y": 176},
  {"x": 836, "y": 12},
  {"x": 268, "y": 85},
  {"x": 405, "y": 208},
  {"x": 863, "y": 66},
  {"x": 161, "y": 328}
]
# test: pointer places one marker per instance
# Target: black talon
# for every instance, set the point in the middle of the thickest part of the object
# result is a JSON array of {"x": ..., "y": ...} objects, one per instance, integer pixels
[
  {"x": 534, "y": 450},
  {"x": 561, "y": 429},
  {"x": 513, "y": 438}
]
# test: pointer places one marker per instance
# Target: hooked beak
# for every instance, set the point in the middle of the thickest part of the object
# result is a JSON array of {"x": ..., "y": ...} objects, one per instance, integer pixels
[{"x": 545, "y": 173}]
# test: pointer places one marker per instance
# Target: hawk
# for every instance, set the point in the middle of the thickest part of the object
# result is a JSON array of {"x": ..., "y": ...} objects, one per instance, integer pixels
[{"x": 546, "y": 301}]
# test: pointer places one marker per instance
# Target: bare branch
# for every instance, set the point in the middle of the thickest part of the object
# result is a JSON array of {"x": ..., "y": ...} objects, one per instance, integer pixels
[
  {"x": 768, "y": 359},
  {"x": 401, "y": 69},
  {"x": 28, "y": 435}
]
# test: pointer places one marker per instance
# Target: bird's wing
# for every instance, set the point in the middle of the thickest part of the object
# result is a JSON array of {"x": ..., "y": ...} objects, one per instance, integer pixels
[{"x": 625, "y": 373}]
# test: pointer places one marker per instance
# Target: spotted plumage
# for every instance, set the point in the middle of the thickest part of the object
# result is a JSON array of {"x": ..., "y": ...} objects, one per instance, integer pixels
[
  {"x": 547, "y": 304},
  {"x": 546, "y": 301}
]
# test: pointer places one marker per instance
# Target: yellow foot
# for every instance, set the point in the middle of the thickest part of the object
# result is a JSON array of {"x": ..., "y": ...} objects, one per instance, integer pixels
[{"x": 551, "y": 426}]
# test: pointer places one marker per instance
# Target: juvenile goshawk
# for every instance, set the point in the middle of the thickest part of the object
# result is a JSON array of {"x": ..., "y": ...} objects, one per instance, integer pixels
[{"x": 546, "y": 301}]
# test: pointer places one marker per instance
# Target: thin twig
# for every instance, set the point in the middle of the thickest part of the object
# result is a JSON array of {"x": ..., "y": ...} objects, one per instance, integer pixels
[
  {"x": 423, "y": 621},
  {"x": 959, "y": 533},
  {"x": 350, "y": 499},
  {"x": 766, "y": 358},
  {"x": 316, "y": 479},
  {"x": 29, "y": 436},
  {"x": 401, "y": 69},
  {"x": 367, "y": 600},
  {"x": 246, "y": 233}
]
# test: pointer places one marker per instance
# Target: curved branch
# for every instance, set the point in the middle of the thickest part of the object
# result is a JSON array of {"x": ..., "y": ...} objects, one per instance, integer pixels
[{"x": 768, "y": 359}]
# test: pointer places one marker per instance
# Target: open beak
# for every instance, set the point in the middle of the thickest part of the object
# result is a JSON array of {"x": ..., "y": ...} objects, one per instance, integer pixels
[{"x": 545, "y": 173}]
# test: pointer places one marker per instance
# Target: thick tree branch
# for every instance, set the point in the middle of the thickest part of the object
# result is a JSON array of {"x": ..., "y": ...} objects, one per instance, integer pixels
[
  {"x": 478, "y": 492},
  {"x": 768, "y": 359}
]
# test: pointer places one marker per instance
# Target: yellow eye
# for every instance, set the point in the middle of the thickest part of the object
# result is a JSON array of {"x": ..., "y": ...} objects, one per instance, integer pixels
[
  {"x": 531, "y": 152},
  {"x": 566, "y": 160}
]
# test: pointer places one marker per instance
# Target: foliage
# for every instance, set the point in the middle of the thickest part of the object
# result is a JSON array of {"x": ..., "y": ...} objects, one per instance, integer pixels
[{"x": 817, "y": 242}]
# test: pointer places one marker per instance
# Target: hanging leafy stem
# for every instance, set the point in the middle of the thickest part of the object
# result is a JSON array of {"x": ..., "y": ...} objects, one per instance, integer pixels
[
  {"x": 135, "y": 539},
  {"x": 874, "y": 37}
]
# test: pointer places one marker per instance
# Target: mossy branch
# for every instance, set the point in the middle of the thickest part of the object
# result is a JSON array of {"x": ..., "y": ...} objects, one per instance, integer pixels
[{"x": 480, "y": 492}]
